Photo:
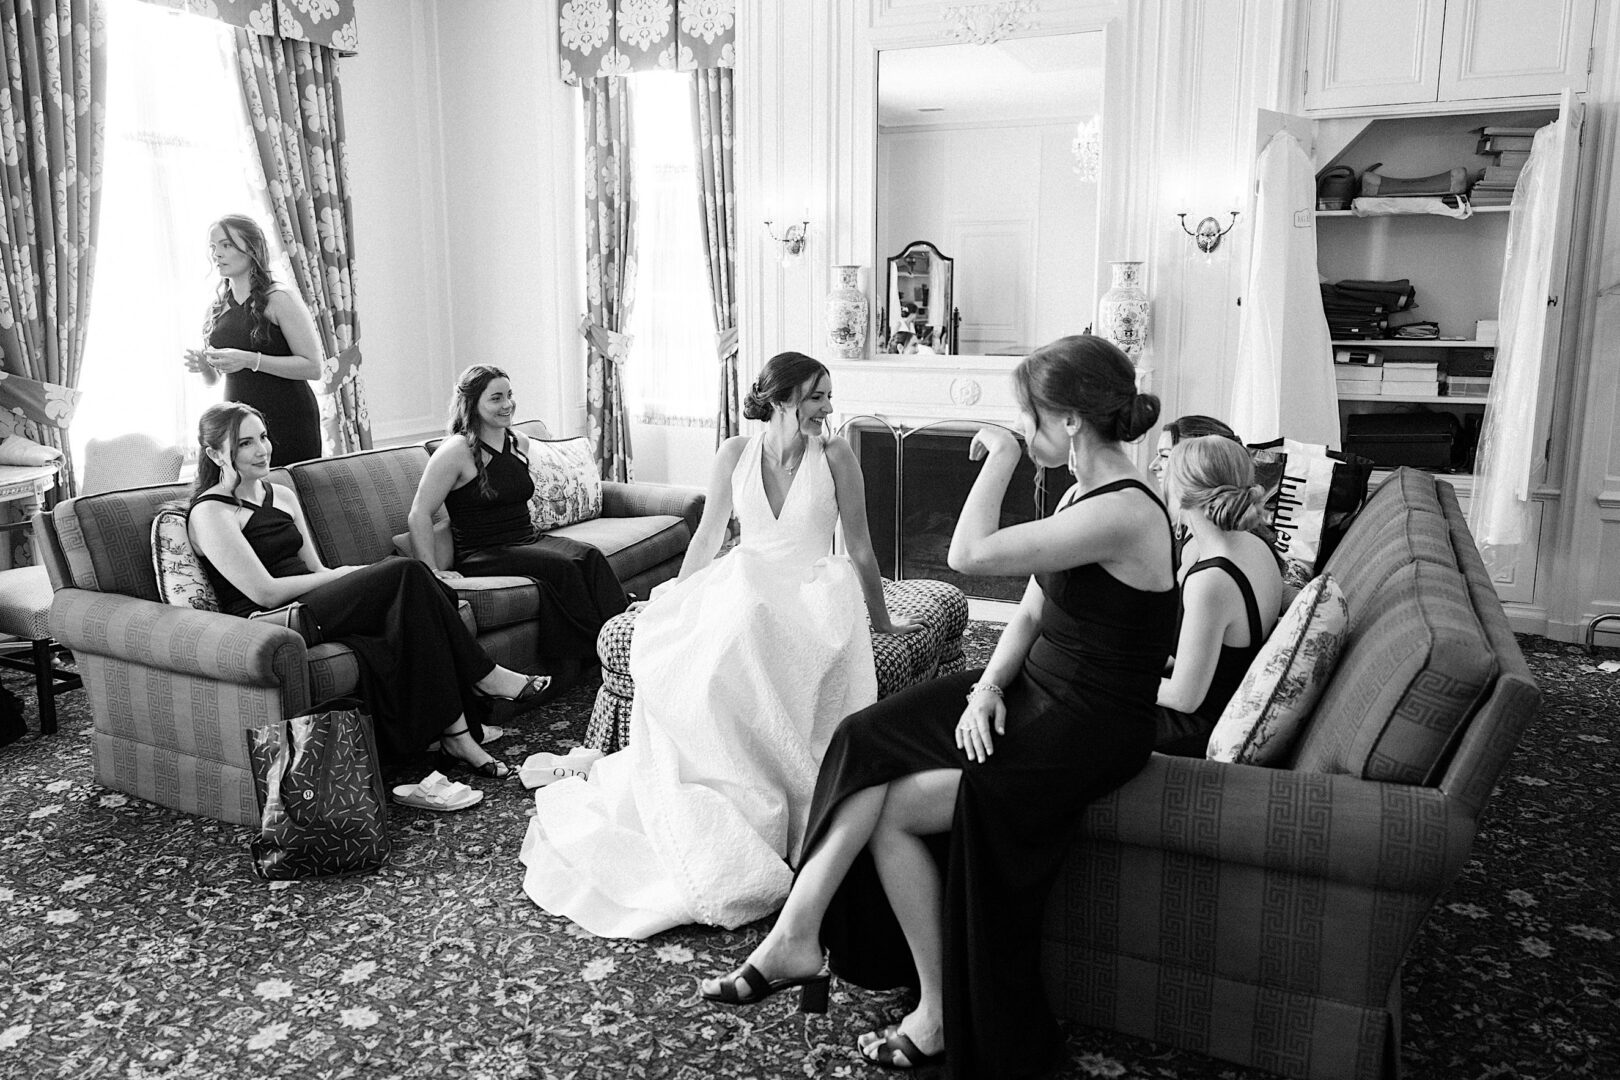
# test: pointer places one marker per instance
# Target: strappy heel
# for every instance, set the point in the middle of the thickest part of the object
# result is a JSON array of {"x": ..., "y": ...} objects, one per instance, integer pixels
[
  {"x": 493, "y": 769},
  {"x": 533, "y": 687},
  {"x": 813, "y": 989},
  {"x": 893, "y": 1049}
]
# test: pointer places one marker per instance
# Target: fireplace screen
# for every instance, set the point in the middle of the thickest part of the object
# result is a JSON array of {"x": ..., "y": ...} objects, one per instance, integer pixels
[{"x": 916, "y": 482}]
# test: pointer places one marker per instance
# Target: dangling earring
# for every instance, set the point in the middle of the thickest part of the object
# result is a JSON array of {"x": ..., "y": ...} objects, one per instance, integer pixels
[{"x": 1073, "y": 431}]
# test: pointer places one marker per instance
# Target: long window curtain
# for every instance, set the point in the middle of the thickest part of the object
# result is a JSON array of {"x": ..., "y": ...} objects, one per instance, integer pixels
[
  {"x": 605, "y": 38},
  {"x": 610, "y": 271},
  {"x": 51, "y": 100},
  {"x": 712, "y": 115},
  {"x": 296, "y": 105},
  {"x": 1504, "y": 466}
]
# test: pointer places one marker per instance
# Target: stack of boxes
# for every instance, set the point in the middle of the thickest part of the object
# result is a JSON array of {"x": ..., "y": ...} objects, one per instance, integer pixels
[
  {"x": 1411, "y": 378},
  {"x": 1358, "y": 371},
  {"x": 1510, "y": 147}
]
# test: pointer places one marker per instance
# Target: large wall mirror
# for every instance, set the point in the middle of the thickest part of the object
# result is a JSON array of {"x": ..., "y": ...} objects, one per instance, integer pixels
[{"x": 980, "y": 157}]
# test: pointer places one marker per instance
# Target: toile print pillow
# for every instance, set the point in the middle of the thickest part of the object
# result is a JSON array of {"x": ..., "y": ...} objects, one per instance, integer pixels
[
  {"x": 1282, "y": 686},
  {"x": 180, "y": 576},
  {"x": 567, "y": 484}
]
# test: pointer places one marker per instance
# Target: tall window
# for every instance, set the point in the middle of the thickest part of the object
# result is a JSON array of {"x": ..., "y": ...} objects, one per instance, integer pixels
[
  {"x": 673, "y": 373},
  {"x": 179, "y": 155}
]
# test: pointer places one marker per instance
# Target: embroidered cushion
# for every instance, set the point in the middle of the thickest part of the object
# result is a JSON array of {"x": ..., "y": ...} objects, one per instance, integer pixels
[
  {"x": 1281, "y": 687},
  {"x": 180, "y": 577},
  {"x": 567, "y": 484}
]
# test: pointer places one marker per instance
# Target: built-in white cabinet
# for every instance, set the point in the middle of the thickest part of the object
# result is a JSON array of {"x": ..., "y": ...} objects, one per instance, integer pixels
[
  {"x": 1457, "y": 269},
  {"x": 1370, "y": 53}
]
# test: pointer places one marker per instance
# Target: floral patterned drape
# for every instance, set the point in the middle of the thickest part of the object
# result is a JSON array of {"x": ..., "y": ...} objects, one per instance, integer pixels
[
  {"x": 52, "y": 112},
  {"x": 610, "y": 271},
  {"x": 320, "y": 22},
  {"x": 296, "y": 104},
  {"x": 712, "y": 115},
  {"x": 604, "y": 38}
]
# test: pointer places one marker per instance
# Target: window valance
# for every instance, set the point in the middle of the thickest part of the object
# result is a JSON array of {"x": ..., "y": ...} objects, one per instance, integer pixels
[
  {"x": 601, "y": 38},
  {"x": 320, "y": 22}
]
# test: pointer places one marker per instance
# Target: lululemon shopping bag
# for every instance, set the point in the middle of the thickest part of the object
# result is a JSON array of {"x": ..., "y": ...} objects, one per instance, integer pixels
[{"x": 322, "y": 806}]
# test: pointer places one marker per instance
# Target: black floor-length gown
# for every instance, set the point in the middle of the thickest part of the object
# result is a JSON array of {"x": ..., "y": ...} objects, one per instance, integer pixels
[
  {"x": 494, "y": 536},
  {"x": 291, "y": 414},
  {"x": 418, "y": 660},
  {"x": 1080, "y": 722}
]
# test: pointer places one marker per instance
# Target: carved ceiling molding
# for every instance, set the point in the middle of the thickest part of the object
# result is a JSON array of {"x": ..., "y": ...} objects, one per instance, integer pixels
[{"x": 986, "y": 24}]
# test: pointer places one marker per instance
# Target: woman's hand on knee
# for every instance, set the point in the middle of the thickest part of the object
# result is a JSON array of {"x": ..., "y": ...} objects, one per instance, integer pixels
[
  {"x": 984, "y": 718},
  {"x": 447, "y": 575}
]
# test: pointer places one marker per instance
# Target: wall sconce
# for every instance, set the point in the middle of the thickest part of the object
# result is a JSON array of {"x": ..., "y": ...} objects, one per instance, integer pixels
[
  {"x": 1209, "y": 232},
  {"x": 792, "y": 239}
]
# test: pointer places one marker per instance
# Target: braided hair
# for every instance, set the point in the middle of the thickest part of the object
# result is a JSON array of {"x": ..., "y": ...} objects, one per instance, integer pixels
[
  {"x": 463, "y": 420},
  {"x": 245, "y": 233}
]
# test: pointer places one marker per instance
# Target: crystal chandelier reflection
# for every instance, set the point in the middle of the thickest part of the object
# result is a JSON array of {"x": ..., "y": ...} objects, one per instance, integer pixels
[{"x": 1088, "y": 150}]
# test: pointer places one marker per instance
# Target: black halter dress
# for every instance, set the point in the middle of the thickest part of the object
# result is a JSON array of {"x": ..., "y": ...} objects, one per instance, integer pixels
[
  {"x": 1080, "y": 722},
  {"x": 418, "y": 661},
  {"x": 494, "y": 537},
  {"x": 1187, "y": 734},
  {"x": 291, "y": 413}
]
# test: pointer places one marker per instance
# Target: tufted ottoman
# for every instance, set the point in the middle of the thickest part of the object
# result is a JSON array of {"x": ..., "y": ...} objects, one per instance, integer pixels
[{"x": 936, "y": 649}]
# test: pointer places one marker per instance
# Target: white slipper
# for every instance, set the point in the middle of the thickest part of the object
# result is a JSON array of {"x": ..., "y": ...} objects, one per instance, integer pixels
[
  {"x": 436, "y": 792},
  {"x": 538, "y": 770}
]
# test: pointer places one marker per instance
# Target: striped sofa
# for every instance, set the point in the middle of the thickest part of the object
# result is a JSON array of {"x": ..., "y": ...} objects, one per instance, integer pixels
[
  {"x": 1261, "y": 915},
  {"x": 173, "y": 690}
]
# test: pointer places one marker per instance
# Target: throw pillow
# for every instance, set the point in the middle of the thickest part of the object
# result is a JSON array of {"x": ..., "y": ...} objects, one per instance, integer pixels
[
  {"x": 21, "y": 450},
  {"x": 1281, "y": 687},
  {"x": 180, "y": 577},
  {"x": 567, "y": 484}
]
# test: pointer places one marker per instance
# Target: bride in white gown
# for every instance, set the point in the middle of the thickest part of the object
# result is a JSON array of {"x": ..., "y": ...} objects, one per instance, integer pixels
[{"x": 743, "y": 668}]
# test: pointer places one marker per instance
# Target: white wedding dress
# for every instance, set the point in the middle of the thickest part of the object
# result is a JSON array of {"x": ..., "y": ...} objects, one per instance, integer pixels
[{"x": 742, "y": 672}]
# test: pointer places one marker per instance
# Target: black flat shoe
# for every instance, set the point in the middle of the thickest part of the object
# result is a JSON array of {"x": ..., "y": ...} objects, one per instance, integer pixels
[
  {"x": 892, "y": 1048},
  {"x": 812, "y": 993},
  {"x": 533, "y": 687}
]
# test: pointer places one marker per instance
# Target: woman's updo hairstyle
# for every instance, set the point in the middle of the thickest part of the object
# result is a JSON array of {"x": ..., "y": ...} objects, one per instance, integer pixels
[
  {"x": 779, "y": 383},
  {"x": 1215, "y": 476},
  {"x": 1089, "y": 376}
]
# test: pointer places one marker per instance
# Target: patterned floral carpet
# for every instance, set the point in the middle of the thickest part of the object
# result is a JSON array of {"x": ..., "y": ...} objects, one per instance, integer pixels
[{"x": 137, "y": 943}]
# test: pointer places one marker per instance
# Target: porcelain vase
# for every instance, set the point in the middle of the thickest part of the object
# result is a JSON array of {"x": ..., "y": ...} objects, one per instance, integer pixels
[
  {"x": 847, "y": 312},
  {"x": 1122, "y": 313}
]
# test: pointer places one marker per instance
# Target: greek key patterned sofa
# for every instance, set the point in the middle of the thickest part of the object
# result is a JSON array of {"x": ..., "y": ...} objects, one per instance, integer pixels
[
  {"x": 1261, "y": 915},
  {"x": 173, "y": 690}
]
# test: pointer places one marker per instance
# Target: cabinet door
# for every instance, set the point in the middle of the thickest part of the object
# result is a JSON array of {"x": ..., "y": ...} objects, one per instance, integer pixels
[
  {"x": 1374, "y": 52},
  {"x": 1511, "y": 48}
]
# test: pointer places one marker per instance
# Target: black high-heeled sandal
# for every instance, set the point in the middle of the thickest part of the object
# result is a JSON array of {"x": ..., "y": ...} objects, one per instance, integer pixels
[
  {"x": 895, "y": 1050},
  {"x": 813, "y": 989},
  {"x": 533, "y": 686},
  {"x": 493, "y": 769}
]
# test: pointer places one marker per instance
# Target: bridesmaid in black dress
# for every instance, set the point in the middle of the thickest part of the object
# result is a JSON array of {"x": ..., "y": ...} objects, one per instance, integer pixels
[
  {"x": 421, "y": 671},
  {"x": 480, "y": 475},
  {"x": 937, "y": 829},
  {"x": 262, "y": 339},
  {"x": 1230, "y": 595}
]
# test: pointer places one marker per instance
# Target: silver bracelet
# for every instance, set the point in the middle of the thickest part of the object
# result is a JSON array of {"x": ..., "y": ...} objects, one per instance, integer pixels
[
  {"x": 258, "y": 358},
  {"x": 990, "y": 686}
]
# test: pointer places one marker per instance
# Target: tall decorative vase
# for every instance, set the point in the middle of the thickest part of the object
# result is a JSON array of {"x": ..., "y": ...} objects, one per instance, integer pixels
[
  {"x": 1122, "y": 313},
  {"x": 847, "y": 311}
]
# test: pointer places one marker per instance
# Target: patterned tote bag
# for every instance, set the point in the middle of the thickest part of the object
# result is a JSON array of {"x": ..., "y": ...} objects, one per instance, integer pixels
[{"x": 322, "y": 806}]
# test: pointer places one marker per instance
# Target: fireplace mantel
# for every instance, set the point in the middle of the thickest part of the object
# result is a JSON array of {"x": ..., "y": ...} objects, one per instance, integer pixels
[{"x": 912, "y": 390}]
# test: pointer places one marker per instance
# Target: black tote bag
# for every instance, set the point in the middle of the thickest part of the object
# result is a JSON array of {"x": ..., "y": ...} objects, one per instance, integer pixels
[{"x": 322, "y": 805}]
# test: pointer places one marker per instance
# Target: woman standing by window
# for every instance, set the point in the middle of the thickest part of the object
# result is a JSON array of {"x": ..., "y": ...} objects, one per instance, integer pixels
[{"x": 262, "y": 338}]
